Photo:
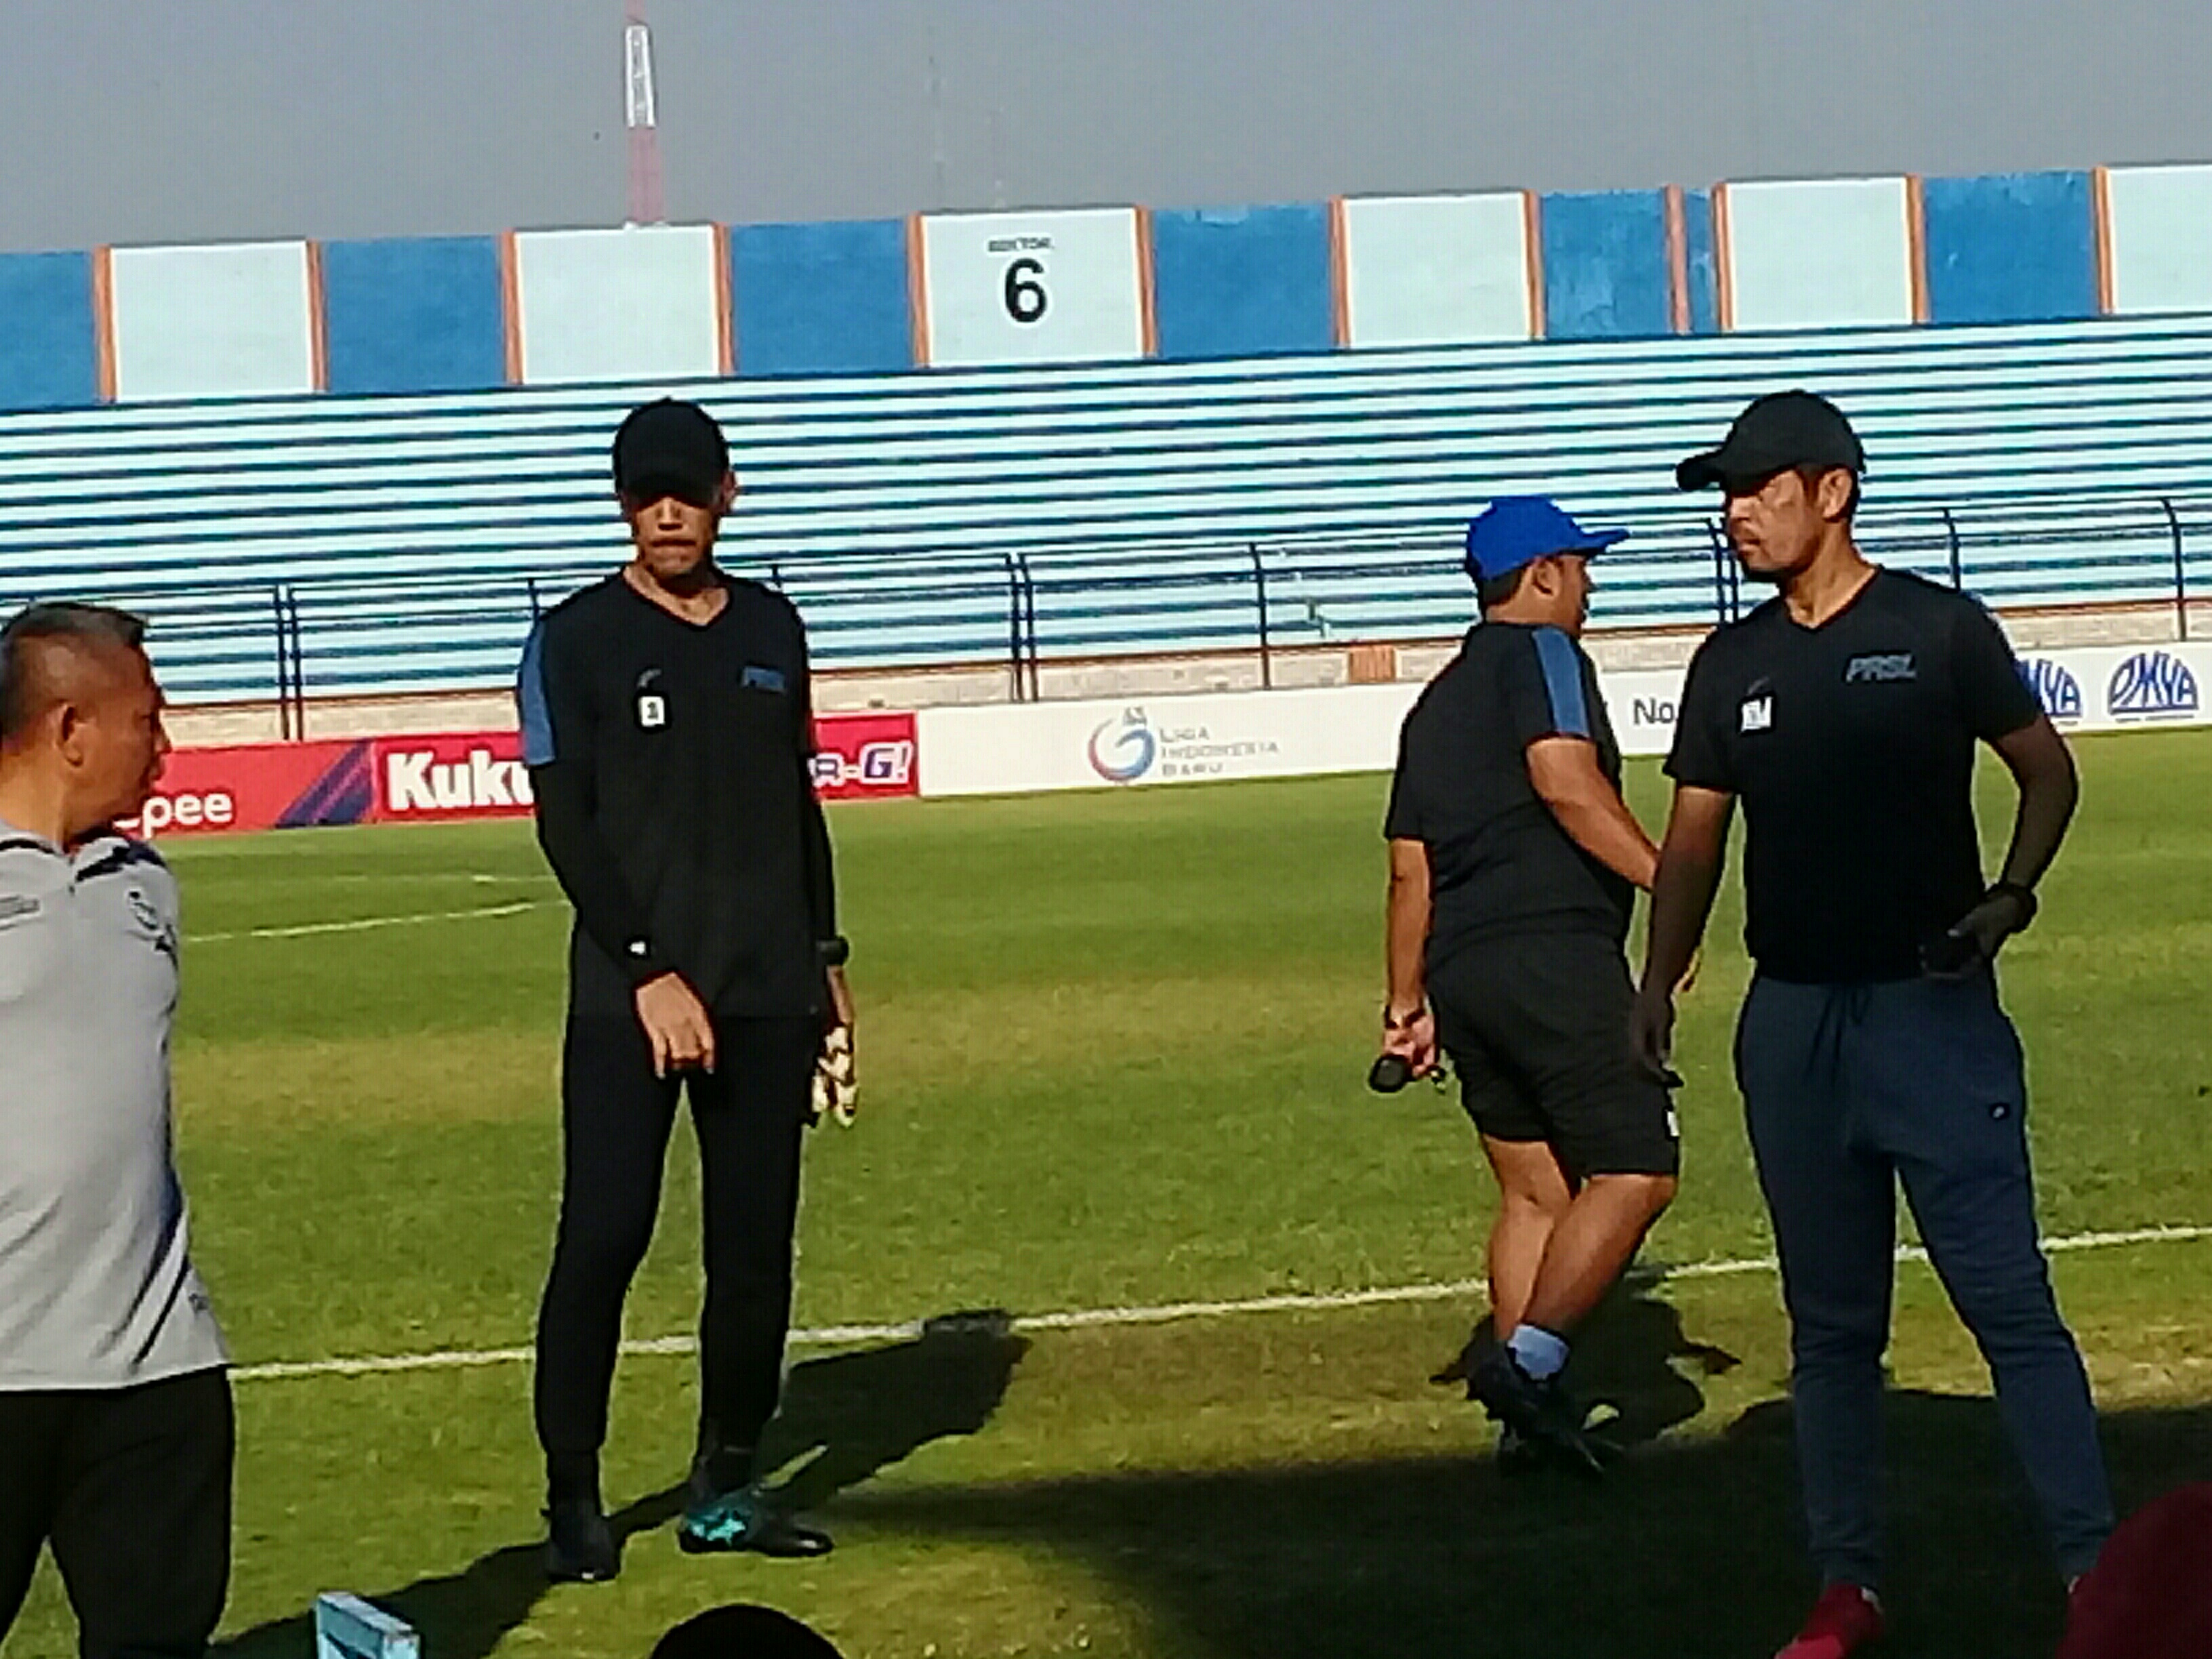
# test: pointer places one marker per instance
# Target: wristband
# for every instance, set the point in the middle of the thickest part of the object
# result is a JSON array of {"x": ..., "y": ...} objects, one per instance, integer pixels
[
  {"x": 834, "y": 952},
  {"x": 2021, "y": 892}
]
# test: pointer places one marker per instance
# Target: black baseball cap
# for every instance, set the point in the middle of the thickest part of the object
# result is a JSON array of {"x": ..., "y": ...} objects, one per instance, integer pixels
[
  {"x": 671, "y": 447},
  {"x": 1782, "y": 430}
]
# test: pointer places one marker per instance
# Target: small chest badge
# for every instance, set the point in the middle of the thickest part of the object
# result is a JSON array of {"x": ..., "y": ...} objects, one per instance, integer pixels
[
  {"x": 651, "y": 707},
  {"x": 143, "y": 913},
  {"x": 1759, "y": 711}
]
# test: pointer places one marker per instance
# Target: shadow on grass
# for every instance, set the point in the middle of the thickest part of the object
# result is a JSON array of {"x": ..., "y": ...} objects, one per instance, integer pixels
[
  {"x": 1691, "y": 1549},
  {"x": 1631, "y": 1357},
  {"x": 847, "y": 1414}
]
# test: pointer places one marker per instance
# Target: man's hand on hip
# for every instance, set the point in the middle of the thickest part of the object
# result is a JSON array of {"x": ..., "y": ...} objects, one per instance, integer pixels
[
  {"x": 1976, "y": 937},
  {"x": 677, "y": 1025}
]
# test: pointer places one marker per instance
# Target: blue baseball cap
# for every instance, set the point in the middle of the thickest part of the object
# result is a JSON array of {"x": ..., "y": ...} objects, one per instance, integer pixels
[{"x": 1514, "y": 530}]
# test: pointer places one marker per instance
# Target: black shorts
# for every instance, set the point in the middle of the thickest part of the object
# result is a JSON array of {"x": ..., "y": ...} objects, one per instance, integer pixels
[{"x": 1536, "y": 1025}]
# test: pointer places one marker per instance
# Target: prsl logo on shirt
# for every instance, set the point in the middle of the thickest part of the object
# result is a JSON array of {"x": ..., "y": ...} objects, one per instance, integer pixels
[
  {"x": 2054, "y": 686},
  {"x": 1887, "y": 666},
  {"x": 758, "y": 678},
  {"x": 2151, "y": 686}
]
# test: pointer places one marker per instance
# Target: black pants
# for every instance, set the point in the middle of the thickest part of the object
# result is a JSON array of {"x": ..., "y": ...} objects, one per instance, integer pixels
[
  {"x": 131, "y": 1487},
  {"x": 1852, "y": 1091},
  {"x": 750, "y": 1114}
]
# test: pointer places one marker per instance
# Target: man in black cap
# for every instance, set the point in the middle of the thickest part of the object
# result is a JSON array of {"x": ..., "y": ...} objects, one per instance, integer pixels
[
  {"x": 1872, "y": 1050},
  {"x": 668, "y": 730},
  {"x": 1514, "y": 865}
]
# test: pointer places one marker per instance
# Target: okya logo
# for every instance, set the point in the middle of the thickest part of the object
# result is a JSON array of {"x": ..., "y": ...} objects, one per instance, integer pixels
[
  {"x": 2152, "y": 685},
  {"x": 2055, "y": 687},
  {"x": 1123, "y": 749}
]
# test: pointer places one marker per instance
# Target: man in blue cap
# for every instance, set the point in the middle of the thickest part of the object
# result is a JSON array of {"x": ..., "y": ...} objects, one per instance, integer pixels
[{"x": 1514, "y": 866}]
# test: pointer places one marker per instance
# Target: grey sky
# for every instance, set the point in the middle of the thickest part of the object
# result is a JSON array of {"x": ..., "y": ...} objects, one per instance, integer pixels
[{"x": 191, "y": 120}]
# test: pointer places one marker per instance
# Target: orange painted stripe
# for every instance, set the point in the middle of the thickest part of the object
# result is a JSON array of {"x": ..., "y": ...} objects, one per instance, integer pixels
[
  {"x": 917, "y": 289},
  {"x": 1916, "y": 241},
  {"x": 1723, "y": 262},
  {"x": 318, "y": 321},
  {"x": 725, "y": 315},
  {"x": 2100, "y": 204},
  {"x": 103, "y": 322},
  {"x": 510, "y": 304},
  {"x": 1532, "y": 232},
  {"x": 1148, "y": 301},
  {"x": 1340, "y": 276},
  {"x": 1678, "y": 261}
]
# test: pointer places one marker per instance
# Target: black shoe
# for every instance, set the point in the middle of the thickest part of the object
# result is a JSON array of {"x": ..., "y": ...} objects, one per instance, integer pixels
[
  {"x": 1517, "y": 1456},
  {"x": 579, "y": 1548},
  {"x": 1540, "y": 1414},
  {"x": 738, "y": 1521}
]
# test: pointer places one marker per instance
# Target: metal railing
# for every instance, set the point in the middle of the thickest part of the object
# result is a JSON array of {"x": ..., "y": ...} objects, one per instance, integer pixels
[{"x": 304, "y": 638}]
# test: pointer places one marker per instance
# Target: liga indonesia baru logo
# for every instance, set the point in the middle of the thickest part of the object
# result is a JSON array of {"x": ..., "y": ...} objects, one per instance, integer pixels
[
  {"x": 2151, "y": 686},
  {"x": 1123, "y": 748}
]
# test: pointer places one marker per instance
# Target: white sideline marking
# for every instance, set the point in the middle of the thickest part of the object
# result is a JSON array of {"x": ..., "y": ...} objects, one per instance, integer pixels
[
  {"x": 1080, "y": 1319},
  {"x": 364, "y": 924}
]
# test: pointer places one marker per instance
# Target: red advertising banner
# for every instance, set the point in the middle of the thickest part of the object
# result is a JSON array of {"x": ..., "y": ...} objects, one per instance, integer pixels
[
  {"x": 258, "y": 786},
  {"x": 447, "y": 776},
  {"x": 866, "y": 757}
]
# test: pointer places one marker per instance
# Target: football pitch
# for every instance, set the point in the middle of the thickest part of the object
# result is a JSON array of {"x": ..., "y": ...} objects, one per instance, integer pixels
[{"x": 1112, "y": 1052}]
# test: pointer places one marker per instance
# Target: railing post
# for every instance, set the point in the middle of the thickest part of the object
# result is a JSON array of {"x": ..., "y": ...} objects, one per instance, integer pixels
[
  {"x": 2180, "y": 571},
  {"x": 283, "y": 665},
  {"x": 1030, "y": 625},
  {"x": 298, "y": 664},
  {"x": 1260, "y": 593},
  {"x": 1722, "y": 611},
  {"x": 1014, "y": 627},
  {"x": 536, "y": 609},
  {"x": 1957, "y": 561}
]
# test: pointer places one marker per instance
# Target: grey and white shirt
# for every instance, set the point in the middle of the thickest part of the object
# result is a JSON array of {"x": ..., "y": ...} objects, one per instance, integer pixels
[{"x": 97, "y": 1290}]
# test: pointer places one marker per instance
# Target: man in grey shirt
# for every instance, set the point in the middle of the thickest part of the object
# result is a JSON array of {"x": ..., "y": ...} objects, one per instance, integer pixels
[{"x": 116, "y": 1434}]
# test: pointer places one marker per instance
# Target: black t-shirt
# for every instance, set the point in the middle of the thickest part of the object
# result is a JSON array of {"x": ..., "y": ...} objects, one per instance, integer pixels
[
  {"x": 1499, "y": 861},
  {"x": 670, "y": 762},
  {"x": 1853, "y": 747}
]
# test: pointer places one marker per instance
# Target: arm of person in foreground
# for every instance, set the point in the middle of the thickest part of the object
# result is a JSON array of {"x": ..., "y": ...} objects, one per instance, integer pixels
[
  {"x": 1682, "y": 890},
  {"x": 1409, "y": 1029},
  {"x": 556, "y": 725},
  {"x": 1565, "y": 773},
  {"x": 2042, "y": 769}
]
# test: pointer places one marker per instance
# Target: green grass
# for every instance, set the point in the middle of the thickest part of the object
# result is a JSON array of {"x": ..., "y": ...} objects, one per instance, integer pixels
[{"x": 1113, "y": 1047}]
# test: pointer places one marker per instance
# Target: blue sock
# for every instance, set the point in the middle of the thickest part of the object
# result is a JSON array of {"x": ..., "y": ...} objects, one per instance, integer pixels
[{"x": 1539, "y": 1352}]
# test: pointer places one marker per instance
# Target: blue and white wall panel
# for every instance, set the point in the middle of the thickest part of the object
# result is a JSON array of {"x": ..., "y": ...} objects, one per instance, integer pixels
[
  {"x": 1423, "y": 271},
  {"x": 642, "y": 303},
  {"x": 821, "y": 299},
  {"x": 2159, "y": 225},
  {"x": 49, "y": 333},
  {"x": 1253, "y": 281},
  {"x": 2018, "y": 247},
  {"x": 413, "y": 314},
  {"x": 1608, "y": 269},
  {"x": 236, "y": 320},
  {"x": 1825, "y": 253},
  {"x": 1034, "y": 287}
]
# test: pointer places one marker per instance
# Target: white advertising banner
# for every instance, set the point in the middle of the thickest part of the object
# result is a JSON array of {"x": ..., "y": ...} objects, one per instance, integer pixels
[{"x": 1014, "y": 749}]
